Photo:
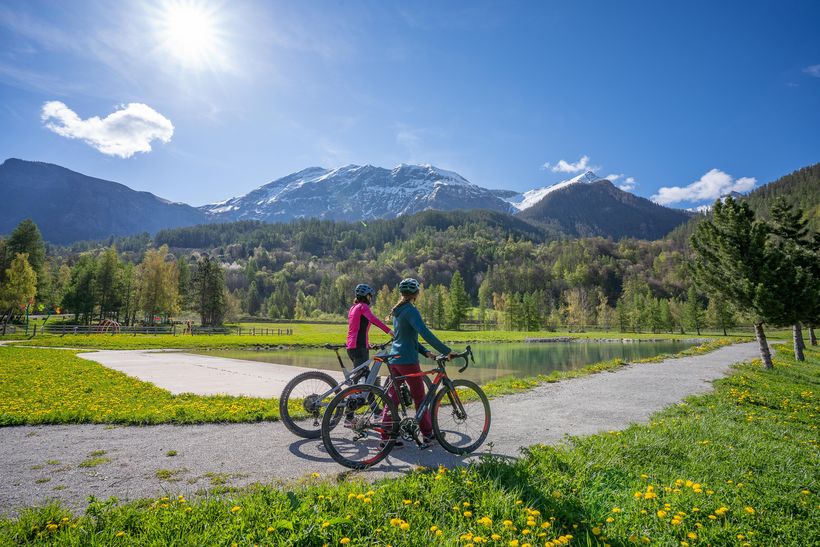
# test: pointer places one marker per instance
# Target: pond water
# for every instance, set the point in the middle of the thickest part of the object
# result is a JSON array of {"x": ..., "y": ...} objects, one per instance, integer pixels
[{"x": 492, "y": 360}]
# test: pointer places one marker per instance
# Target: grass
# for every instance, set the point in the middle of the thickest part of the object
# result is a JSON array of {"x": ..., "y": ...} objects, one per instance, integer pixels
[
  {"x": 737, "y": 466},
  {"x": 44, "y": 386},
  {"x": 169, "y": 475},
  {"x": 311, "y": 334}
]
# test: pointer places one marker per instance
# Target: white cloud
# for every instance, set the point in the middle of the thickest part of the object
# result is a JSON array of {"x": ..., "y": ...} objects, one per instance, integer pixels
[
  {"x": 628, "y": 184},
  {"x": 564, "y": 166},
  {"x": 813, "y": 70},
  {"x": 123, "y": 133},
  {"x": 710, "y": 186},
  {"x": 613, "y": 177}
]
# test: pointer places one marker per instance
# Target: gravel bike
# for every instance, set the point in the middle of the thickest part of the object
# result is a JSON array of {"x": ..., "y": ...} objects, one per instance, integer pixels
[
  {"x": 311, "y": 391},
  {"x": 373, "y": 422}
]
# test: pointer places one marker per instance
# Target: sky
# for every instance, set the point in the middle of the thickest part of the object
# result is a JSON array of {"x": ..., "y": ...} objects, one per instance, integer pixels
[{"x": 200, "y": 100}]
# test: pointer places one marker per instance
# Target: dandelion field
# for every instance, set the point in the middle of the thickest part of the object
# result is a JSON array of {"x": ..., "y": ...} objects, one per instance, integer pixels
[
  {"x": 46, "y": 386},
  {"x": 738, "y": 466}
]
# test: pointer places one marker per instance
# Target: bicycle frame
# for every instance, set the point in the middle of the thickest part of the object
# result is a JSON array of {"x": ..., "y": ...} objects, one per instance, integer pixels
[
  {"x": 376, "y": 362},
  {"x": 441, "y": 378}
]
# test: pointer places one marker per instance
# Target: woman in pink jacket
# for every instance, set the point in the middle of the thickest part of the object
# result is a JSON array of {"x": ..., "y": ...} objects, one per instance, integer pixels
[{"x": 359, "y": 319}]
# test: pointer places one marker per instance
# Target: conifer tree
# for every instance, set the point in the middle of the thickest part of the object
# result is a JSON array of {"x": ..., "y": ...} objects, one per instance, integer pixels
[
  {"x": 458, "y": 302},
  {"x": 732, "y": 260},
  {"x": 693, "y": 311},
  {"x": 797, "y": 269}
]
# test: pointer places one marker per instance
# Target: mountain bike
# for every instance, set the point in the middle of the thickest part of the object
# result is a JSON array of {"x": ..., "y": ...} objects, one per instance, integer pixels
[
  {"x": 373, "y": 422},
  {"x": 311, "y": 391}
]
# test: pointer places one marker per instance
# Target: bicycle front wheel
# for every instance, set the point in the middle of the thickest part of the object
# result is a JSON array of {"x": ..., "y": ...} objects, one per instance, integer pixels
[
  {"x": 461, "y": 417},
  {"x": 304, "y": 395},
  {"x": 360, "y": 426}
]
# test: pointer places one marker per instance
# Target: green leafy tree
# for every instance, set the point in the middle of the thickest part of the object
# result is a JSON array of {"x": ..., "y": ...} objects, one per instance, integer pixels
[
  {"x": 732, "y": 260},
  {"x": 158, "y": 284},
  {"x": 19, "y": 286}
]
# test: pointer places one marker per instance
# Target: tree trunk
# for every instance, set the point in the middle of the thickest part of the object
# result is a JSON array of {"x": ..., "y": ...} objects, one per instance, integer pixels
[
  {"x": 812, "y": 336},
  {"x": 765, "y": 355},
  {"x": 797, "y": 334}
]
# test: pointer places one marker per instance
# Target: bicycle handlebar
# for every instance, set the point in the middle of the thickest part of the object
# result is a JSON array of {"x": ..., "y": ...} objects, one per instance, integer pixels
[{"x": 467, "y": 354}]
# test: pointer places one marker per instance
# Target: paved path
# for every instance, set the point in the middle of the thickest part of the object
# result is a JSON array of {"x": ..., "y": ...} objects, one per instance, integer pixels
[
  {"x": 180, "y": 372},
  {"x": 266, "y": 452}
]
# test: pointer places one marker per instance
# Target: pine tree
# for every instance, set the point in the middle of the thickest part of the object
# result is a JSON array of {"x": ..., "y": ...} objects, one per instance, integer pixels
[
  {"x": 693, "y": 311},
  {"x": 667, "y": 319},
  {"x": 210, "y": 294},
  {"x": 108, "y": 283},
  {"x": 798, "y": 274},
  {"x": 719, "y": 314},
  {"x": 458, "y": 302},
  {"x": 732, "y": 260},
  {"x": 80, "y": 297}
]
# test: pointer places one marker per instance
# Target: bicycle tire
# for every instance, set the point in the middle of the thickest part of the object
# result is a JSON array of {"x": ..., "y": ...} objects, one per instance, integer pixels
[
  {"x": 376, "y": 398},
  {"x": 485, "y": 428},
  {"x": 285, "y": 410}
]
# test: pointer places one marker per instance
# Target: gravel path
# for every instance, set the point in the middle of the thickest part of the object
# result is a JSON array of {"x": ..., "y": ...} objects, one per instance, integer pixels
[
  {"x": 180, "y": 372},
  {"x": 46, "y": 462}
]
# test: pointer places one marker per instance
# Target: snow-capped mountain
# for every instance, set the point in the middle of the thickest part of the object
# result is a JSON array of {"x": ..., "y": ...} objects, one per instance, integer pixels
[
  {"x": 529, "y": 198},
  {"x": 356, "y": 192}
]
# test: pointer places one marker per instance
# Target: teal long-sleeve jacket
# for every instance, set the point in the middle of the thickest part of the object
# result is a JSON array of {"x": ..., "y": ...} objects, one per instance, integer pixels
[{"x": 407, "y": 326}]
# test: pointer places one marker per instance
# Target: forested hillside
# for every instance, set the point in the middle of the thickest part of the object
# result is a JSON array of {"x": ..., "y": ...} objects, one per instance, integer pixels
[
  {"x": 800, "y": 188},
  {"x": 600, "y": 209}
]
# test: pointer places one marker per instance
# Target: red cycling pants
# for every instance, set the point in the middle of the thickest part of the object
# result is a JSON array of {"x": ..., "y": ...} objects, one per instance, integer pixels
[{"x": 417, "y": 390}]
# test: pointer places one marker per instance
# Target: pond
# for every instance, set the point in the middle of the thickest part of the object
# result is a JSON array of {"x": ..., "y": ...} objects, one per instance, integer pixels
[{"x": 492, "y": 360}]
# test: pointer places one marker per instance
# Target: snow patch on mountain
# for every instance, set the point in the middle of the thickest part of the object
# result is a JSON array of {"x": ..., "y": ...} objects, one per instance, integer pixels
[
  {"x": 531, "y": 197},
  {"x": 354, "y": 192}
]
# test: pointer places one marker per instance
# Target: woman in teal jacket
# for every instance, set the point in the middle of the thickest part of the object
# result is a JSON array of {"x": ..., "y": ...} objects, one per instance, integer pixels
[{"x": 407, "y": 326}]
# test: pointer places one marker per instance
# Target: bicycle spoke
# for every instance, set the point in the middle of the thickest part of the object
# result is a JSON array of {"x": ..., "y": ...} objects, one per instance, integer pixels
[
  {"x": 353, "y": 429},
  {"x": 462, "y": 427}
]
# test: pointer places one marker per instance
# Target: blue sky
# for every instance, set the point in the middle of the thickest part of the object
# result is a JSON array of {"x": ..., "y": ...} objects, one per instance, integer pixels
[{"x": 210, "y": 99}]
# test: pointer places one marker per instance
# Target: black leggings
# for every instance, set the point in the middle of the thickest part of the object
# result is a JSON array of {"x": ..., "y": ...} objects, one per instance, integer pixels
[{"x": 358, "y": 355}]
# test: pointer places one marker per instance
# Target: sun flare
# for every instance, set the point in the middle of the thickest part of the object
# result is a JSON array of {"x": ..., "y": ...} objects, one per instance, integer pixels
[{"x": 189, "y": 32}]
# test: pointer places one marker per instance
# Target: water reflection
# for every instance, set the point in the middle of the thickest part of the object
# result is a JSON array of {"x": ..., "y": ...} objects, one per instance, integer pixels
[{"x": 492, "y": 360}]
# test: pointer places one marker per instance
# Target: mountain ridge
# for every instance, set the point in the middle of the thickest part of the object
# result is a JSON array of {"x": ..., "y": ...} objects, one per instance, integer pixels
[{"x": 80, "y": 207}]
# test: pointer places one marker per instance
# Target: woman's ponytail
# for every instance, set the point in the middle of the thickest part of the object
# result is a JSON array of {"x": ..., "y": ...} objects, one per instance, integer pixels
[{"x": 405, "y": 298}]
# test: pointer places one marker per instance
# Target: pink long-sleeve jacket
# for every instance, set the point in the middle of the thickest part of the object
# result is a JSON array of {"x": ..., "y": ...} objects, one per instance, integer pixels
[{"x": 359, "y": 319}]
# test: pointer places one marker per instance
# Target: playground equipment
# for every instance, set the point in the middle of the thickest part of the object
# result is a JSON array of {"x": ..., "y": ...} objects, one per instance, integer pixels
[{"x": 108, "y": 325}]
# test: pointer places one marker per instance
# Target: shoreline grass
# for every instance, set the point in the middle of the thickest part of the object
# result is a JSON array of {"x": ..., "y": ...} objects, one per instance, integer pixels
[
  {"x": 317, "y": 338},
  {"x": 736, "y": 466}
]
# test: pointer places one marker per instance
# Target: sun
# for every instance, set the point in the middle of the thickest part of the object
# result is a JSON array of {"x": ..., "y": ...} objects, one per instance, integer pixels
[{"x": 190, "y": 34}]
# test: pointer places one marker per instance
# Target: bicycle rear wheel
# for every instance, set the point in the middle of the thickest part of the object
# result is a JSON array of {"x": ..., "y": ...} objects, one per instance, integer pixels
[
  {"x": 353, "y": 431},
  {"x": 303, "y": 395},
  {"x": 461, "y": 425}
]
